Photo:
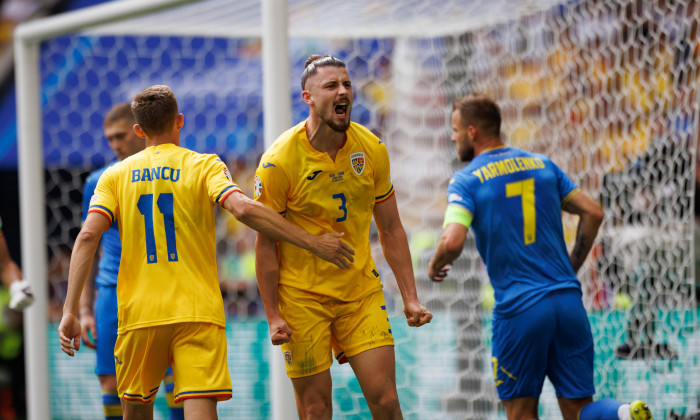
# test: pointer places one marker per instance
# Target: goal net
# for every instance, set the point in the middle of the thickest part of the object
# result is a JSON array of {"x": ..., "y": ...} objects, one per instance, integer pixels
[{"x": 607, "y": 89}]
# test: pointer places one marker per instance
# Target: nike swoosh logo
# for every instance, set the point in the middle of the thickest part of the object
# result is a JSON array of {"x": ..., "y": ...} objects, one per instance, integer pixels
[
  {"x": 313, "y": 176},
  {"x": 117, "y": 359},
  {"x": 267, "y": 165}
]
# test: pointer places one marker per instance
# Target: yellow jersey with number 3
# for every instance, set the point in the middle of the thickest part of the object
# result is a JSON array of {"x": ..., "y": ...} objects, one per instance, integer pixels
[
  {"x": 321, "y": 195},
  {"x": 163, "y": 199}
]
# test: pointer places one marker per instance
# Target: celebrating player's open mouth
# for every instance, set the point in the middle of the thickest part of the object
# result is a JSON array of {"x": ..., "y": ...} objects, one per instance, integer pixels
[{"x": 342, "y": 110}]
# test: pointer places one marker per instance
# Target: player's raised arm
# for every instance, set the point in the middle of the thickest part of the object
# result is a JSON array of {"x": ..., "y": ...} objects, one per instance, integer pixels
[{"x": 263, "y": 219}]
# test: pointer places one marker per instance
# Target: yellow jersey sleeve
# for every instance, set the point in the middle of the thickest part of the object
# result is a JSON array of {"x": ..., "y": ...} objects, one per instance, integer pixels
[
  {"x": 383, "y": 187},
  {"x": 104, "y": 200},
  {"x": 272, "y": 184},
  {"x": 218, "y": 180}
]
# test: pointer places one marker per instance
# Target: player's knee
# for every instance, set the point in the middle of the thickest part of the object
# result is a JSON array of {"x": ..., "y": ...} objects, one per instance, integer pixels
[
  {"x": 108, "y": 383},
  {"x": 317, "y": 410},
  {"x": 388, "y": 403}
]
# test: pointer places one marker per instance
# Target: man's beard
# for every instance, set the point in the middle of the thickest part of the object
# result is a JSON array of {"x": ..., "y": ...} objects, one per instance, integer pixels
[
  {"x": 338, "y": 127},
  {"x": 466, "y": 155}
]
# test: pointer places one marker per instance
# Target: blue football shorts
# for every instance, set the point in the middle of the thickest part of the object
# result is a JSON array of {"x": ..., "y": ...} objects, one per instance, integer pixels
[
  {"x": 553, "y": 339},
  {"x": 106, "y": 321}
]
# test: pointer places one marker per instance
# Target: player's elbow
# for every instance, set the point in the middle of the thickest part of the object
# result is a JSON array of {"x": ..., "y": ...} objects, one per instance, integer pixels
[
  {"x": 596, "y": 215},
  {"x": 88, "y": 235},
  {"x": 243, "y": 209},
  {"x": 453, "y": 245}
]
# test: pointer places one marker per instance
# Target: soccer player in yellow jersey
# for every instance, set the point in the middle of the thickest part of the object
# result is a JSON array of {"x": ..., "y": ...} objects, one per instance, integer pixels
[
  {"x": 169, "y": 302},
  {"x": 328, "y": 174}
]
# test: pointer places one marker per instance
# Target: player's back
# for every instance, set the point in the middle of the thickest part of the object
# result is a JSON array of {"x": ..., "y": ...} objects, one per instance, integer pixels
[
  {"x": 518, "y": 198},
  {"x": 164, "y": 198}
]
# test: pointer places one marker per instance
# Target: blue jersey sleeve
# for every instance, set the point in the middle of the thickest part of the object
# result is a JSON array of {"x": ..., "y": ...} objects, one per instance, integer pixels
[
  {"x": 458, "y": 193},
  {"x": 565, "y": 184}
]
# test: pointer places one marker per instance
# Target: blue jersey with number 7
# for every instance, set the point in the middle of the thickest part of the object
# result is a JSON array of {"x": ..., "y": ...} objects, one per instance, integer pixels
[
  {"x": 515, "y": 200},
  {"x": 163, "y": 199}
]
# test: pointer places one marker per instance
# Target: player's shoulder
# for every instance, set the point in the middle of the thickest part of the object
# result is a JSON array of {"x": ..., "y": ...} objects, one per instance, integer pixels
[
  {"x": 287, "y": 140},
  {"x": 284, "y": 149},
  {"x": 468, "y": 174},
  {"x": 206, "y": 158},
  {"x": 525, "y": 153},
  {"x": 95, "y": 175},
  {"x": 364, "y": 135},
  {"x": 462, "y": 176}
]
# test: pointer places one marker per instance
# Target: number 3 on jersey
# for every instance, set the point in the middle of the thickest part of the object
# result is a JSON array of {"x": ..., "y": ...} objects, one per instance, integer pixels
[
  {"x": 526, "y": 190},
  {"x": 342, "y": 207},
  {"x": 165, "y": 205}
]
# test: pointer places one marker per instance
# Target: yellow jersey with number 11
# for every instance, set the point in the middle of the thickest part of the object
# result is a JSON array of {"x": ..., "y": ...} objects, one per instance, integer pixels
[
  {"x": 163, "y": 198},
  {"x": 321, "y": 195}
]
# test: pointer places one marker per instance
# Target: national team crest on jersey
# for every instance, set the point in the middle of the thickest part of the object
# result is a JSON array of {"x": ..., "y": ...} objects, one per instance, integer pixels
[
  {"x": 227, "y": 174},
  {"x": 358, "y": 162},
  {"x": 288, "y": 357},
  {"x": 258, "y": 186}
]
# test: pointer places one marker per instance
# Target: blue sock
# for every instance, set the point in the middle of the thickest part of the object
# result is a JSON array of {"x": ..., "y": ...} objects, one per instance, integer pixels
[
  {"x": 112, "y": 406},
  {"x": 177, "y": 412},
  {"x": 605, "y": 409}
]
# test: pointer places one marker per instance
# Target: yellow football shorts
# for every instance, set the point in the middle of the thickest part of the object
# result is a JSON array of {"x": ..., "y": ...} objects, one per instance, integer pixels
[
  {"x": 320, "y": 323},
  {"x": 196, "y": 351}
]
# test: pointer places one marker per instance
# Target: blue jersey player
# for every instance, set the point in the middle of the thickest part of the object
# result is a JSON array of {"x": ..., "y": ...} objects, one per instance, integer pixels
[
  {"x": 100, "y": 316},
  {"x": 513, "y": 200}
]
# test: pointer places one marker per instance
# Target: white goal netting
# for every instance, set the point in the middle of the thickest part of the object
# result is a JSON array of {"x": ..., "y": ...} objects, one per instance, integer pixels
[{"x": 608, "y": 89}]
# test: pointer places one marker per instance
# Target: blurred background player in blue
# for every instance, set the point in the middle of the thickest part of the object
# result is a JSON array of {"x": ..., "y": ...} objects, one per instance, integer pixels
[
  {"x": 513, "y": 199},
  {"x": 98, "y": 304}
]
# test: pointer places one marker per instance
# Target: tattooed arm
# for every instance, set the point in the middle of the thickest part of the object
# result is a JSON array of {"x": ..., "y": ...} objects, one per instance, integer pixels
[{"x": 590, "y": 217}]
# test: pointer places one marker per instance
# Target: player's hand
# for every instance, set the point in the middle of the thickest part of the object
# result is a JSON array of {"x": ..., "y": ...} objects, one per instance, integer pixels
[
  {"x": 279, "y": 331},
  {"x": 332, "y": 249},
  {"x": 69, "y": 334},
  {"x": 416, "y": 314},
  {"x": 89, "y": 333},
  {"x": 438, "y": 275}
]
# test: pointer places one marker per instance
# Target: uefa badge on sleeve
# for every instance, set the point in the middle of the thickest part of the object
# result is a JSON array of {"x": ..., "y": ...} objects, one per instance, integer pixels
[
  {"x": 258, "y": 186},
  {"x": 227, "y": 174},
  {"x": 358, "y": 162}
]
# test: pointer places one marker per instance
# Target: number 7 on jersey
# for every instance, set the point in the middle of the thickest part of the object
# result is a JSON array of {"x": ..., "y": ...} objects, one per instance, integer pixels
[{"x": 526, "y": 190}]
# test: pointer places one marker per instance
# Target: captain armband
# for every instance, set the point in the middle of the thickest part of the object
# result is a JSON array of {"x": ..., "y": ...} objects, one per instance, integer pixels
[{"x": 457, "y": 214}]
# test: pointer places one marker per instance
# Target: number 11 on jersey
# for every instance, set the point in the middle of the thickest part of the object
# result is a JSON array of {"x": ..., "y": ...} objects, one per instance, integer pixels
[{"x": 165, "y": 206}]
